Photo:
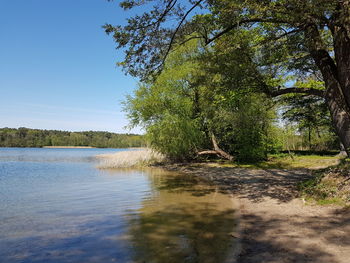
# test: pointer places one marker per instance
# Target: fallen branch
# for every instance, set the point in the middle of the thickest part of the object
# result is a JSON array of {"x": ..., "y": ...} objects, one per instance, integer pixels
[{"x": 217, "y": 151}]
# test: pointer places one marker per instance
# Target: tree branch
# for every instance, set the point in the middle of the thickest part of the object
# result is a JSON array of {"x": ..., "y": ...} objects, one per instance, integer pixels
[
  {"x": 244, "y": 21},
  {"x": 282, "y": 35},
  {"x": 314, "y": 92},
  {"x": 187, "y": 40}
]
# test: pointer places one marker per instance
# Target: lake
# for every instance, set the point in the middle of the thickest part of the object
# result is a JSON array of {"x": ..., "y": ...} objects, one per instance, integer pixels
[{"x": 56, "y": 206}]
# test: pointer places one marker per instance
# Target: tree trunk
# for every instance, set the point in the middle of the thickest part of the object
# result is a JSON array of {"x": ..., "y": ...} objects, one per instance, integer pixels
[
  {"x": 336, "y": 82},
  {"x": 340, "y": 116},
  {"x": 341, "y": 36}
]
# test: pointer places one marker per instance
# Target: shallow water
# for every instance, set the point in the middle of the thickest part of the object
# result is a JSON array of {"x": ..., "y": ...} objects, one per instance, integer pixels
[{"x": 55, "y": 206}]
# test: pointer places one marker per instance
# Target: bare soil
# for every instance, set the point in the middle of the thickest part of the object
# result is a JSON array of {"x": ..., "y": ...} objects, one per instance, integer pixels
[{"x": 277, "y": 225}]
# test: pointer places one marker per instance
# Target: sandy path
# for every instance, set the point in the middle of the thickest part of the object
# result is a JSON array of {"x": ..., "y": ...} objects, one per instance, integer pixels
[{"x": 276, "y": 226}]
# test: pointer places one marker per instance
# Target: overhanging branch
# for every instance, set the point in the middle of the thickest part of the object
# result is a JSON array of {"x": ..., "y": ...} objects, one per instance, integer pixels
[{"x": 314, "y": 92}]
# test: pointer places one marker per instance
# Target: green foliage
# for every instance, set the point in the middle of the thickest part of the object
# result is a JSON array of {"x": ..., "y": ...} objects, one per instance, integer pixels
[
  {"x": 24, "y": 137},
  {"x": 176, "y": 137},
  {"x": 253, "y": 121},
  {"x": 167, "y": 107}
]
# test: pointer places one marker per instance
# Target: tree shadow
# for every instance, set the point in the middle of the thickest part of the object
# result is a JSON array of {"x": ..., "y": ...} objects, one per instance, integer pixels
[
  {"x": 325, "y": 239},
  {"x": 280, "y": 185},
  {"x": 255, "y": 184},
  {"x": 313, "y": 236}
]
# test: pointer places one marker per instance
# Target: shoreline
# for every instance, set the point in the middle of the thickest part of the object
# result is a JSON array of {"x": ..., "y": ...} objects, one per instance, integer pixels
[{"x": 275, "y": 224}]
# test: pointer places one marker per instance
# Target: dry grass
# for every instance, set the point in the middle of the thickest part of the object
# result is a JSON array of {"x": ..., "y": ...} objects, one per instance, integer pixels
[{"x": 128, "y": 159}]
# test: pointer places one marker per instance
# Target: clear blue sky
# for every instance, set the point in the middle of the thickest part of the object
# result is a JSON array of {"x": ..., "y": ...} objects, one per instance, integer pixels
[{"x": 58, "y": 67}]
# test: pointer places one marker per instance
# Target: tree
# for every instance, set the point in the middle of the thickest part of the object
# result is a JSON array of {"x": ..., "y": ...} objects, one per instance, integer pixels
[
  {"x": 189, "y": 110},
  {"x": 296, "y": 36},
  {"x": 168, "y": 108}
]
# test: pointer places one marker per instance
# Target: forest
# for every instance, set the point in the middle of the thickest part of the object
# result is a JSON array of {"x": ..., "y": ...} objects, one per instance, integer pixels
[
  {"x": 238, "y": 79},
  {"x": 24, "y": 137}
]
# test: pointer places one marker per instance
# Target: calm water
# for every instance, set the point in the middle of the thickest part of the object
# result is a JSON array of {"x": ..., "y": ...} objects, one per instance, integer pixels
[{"x": 55, "y": 206}]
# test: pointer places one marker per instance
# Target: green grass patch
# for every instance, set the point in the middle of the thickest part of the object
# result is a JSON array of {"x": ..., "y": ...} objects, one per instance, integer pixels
[
  {"x": 328, "y": 186},
  {"x": 288, "y": 161}
]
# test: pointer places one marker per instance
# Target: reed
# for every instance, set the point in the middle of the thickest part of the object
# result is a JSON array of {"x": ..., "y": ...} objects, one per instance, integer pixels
[{"x": 128, "y": 159}]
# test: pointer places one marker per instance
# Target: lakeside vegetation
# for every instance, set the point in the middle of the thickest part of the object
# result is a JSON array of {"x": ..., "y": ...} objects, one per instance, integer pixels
[
  {"x": 240, "y": 80},
  {"x": 218, "y": 76},
  {"x": 24, "y": 137},
  {"x": 190, "y": 110}
]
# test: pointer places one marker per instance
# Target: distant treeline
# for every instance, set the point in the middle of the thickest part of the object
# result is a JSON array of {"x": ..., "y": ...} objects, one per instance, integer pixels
[{"x": 24, "y": 137}]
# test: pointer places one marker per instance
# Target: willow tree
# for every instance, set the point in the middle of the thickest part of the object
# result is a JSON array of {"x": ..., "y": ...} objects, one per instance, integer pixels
[{"x": 300, "y": 36}]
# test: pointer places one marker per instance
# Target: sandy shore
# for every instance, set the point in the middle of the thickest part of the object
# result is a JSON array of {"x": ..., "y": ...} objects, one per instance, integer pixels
[{"x": 276, "y": 225}]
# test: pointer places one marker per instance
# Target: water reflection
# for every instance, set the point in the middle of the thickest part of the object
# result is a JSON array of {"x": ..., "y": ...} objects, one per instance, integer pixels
[{"x": 187, "y": 221}]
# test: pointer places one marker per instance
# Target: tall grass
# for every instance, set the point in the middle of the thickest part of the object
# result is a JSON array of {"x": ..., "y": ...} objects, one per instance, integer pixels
[{"x": 128, "y": 159}]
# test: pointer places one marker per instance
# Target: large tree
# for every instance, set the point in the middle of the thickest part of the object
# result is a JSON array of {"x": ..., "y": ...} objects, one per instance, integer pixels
[
  {"x": 298, "y": 37},
  {"x": 188, "y": 111}
]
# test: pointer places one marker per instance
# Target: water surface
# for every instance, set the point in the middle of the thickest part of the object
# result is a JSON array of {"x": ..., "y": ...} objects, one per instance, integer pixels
[{"x": 55, "y": 206}]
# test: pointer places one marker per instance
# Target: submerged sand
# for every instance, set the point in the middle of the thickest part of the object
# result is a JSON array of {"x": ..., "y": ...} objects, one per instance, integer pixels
[{"x": 276, "y": 225}]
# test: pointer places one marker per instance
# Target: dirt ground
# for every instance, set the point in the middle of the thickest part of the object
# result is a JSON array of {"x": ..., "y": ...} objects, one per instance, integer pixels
[{"x": 276, "y": 225}]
